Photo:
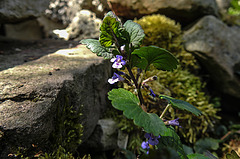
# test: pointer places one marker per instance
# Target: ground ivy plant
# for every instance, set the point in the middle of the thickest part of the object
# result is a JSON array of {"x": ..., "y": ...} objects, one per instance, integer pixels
[{"x": 121, "y": 43}]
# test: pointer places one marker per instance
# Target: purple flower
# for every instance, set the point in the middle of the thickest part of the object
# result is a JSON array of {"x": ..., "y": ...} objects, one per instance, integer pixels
[
  {"x": 116, "y": 77},
  {"x": 145, "y": 145},
  {"x": 152, "y": 93},
  {"x": 174, "y": 122},
  {"x": 118, "y": 62},
  {"x": 152, "y": 140}
]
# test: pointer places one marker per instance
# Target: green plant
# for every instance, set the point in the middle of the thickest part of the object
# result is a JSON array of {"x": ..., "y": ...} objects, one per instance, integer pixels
[
  {"x": 61, "y": 153},
  {"x": 235, "y": 8},
  {"x": 121, "y": 43},
  {"x": 181, "y": 83},
  {"x": 166, "y": 33}
]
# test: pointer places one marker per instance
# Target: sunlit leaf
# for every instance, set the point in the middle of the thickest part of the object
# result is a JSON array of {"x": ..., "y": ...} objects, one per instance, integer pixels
[
  {"x": 129, "y": 103},
  {"x": 135, "y": 31},
  {"x": 97, "y": 48},
  {"x": 160, "y": 58}
]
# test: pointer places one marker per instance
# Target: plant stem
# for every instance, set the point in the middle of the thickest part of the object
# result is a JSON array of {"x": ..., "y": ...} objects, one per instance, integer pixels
[
  {"x": 165, "y": 110},
  {"x": 136, "y": 85}
]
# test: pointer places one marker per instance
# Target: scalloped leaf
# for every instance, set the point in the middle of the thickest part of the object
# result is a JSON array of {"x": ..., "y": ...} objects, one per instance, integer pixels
[
  {"x": 97, "y": 48},
  {"x": 180, "y": 104},
  {"x": 129, "y": 103},
  {"x": 160, "y": 58},
  {"x": 172, "y": 140},
  {"x": 135, "y": 31},
  {"x": 109, "y": 31}
]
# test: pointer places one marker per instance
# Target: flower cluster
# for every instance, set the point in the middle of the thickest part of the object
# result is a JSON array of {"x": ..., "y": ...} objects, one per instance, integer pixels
[
  {"x": 151, "y": 140},
  {"x": 174, "y": 122},
  {"x": 118, "y": 61}
]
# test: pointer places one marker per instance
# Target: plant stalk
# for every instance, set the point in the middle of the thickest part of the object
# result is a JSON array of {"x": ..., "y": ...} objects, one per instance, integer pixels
[
  {"x": 136, "y": 85},
  {"x": 165, "y": 110}
]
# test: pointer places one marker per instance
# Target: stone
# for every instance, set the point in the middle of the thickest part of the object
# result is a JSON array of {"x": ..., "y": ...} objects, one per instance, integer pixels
[
  {"x": 184, "y": 11},
  {"x": 106, "y": 136},
  {"x": 48, "y": 26},
  {"x": 216, "y": 46},
  {"x": 223, "y": 5},
  {"x": 84, "y": 25},
  {"x": 27, "y": 30},
  {"x": 12, "y": 11},
  {"x": 34, "y": 95},
  {"x": 65, "y": 10}
]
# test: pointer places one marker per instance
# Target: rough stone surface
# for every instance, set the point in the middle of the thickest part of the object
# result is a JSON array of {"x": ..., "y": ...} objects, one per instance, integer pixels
[
  {"x": 48, "y": 26},
  {"x": 216, "y": 46},
  {"x": 184, "y": 11},
  {"x": 12, "y": 11},
  {"x": 85, "y": 25},
  {"x": 106, "y": 136},
  {"x": 27, "y": 30},
  {"x": 65, "y": 10},
  {"x": 223, "y": 5},
  {"x": 31, "y": 93}
]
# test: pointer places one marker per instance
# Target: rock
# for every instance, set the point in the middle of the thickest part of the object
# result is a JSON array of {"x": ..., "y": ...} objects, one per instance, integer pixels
[
  {"x": 34, "y": 97},
  {"x": 19, "y": 10},
  {"x": 65, "y": 10},
  {"x": 84, "y": 25},
  {"x": 48, "y": 26},
  {"x": 215, "y": 45},
  {"x": 106, "y": 136},
  {"x": 184, "y": 11},
  {"x": 27, "y": 30},
  {"x": 223, "y": 5}
]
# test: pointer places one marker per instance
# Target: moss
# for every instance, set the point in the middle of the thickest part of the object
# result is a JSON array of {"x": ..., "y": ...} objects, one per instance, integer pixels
[
  {"x": 68, "y": 130},
  {"x": 181, "y": 83},
  {"x": 65, "y": 139},
  {"x": 166, "y": 33},
  {"x": 61, "y": 153}
]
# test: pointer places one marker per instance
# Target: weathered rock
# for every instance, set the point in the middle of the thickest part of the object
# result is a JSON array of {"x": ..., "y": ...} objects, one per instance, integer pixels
[
  {"x": 27, "y": 30},
  {"x": 106, "y": 136},
  {"x": 184, "y": 11},
  {"x": 223, "y": 5},
  {"x": 12, "y": 11},
  {"x": 216, "y": 46},
  {"x": 84, "y": 25},
  {"x": 65, "y": 10},
  {"x": 49, "y": 25},
  {"x": 34, "y": 95}
]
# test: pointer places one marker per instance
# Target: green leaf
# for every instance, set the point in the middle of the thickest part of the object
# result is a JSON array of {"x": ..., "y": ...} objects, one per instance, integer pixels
[
  {"x": 97, "y": 48},
  {"x": 129, "y": 103},
  {"x": 197, "y": 156},
  {"x": 180, "y": 104},
  {"x": 109, "y": 31},
  {"x": 110, "y": 14},
  {"x": 205, "y": 144},
  {"x": 160, "y": 58},
  {"x": 172, "y": 140},
  {"x": 135, "y": 31}
]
